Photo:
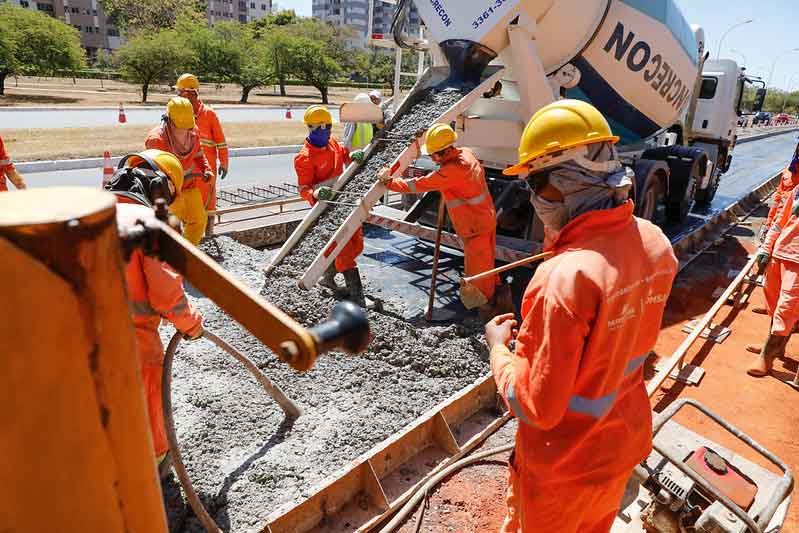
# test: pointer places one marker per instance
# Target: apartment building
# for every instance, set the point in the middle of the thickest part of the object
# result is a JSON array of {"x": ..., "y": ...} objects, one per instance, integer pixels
[
  {"x": 86, "y": 16},
  {"x": 96, "y": 33},
  {"x": 355, "y": 14}
]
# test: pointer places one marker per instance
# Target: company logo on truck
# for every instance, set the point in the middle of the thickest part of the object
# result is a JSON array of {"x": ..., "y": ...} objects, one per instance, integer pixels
[
  {"x": 442, "y": 12},
  {"x": 655, "y": 69}
]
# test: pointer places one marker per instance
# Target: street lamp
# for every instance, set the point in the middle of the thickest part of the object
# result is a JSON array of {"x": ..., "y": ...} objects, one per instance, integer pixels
[
  {"x": 718, "y": 50},
  {"x": 734, "y": 51},
  {"x": 774, "y": 63}
]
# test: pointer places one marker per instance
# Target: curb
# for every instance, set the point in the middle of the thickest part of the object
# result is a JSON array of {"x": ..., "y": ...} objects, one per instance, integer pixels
[
  {"x": 97, "y": 162},
  {"x": 766, "y": 135}
]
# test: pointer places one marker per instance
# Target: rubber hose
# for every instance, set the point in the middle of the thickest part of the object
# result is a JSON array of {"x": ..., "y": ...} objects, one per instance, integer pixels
[
  {"x": 410, "y": 505},
  {"x": 172, "y": 437}
]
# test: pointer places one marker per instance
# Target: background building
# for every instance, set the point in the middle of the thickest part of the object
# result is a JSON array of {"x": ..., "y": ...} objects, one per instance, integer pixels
[
  {"x": 355, "y": 13},
  {"x": 96, "y": 34}
]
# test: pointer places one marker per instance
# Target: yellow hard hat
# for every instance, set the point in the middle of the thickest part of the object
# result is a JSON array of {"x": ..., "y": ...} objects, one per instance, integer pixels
[
  {"x": 166, "y": 162},
  {"x": 559, "y": 126},
  {"x": 188, "y": 81},
  {"x": 317, "y": 114},
  {"x": 180, "y": 112},
  {"x": 439, "y": 137}
]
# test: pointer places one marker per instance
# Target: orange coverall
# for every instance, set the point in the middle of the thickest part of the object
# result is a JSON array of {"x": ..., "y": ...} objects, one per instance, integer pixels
[
  {"x": 781, "y": 285},
  {"x": 192, "y": 209},
  {"x": 461, "y": 180},
  {"x": 787, "y": 184},
  {"x": 322, "y": 166},
  {"x": 6, "y": 165},
  {"x": 212, "y": 140},
  {"x": 591, "y": 315},
  {"x": 155, "y": 290}
]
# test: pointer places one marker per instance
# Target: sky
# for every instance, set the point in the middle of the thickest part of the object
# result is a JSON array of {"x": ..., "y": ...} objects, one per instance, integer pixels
[{"x": 756, "y": 45}]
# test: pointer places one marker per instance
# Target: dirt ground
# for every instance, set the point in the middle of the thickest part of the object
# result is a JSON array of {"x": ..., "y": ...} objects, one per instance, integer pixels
[
  {"x": 472, "y": 500},
  {"x": 31, "y": 144},
  {"x": 33, "y": 91}
]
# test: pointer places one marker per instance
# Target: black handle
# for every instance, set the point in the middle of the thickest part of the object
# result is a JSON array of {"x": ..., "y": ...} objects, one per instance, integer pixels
[{"x": 346, "y": 329}]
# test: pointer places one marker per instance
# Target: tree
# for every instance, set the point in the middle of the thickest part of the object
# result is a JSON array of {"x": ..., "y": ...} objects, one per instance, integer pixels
[
  {"x": 141, "y": 16},
  {"x": 34, "y": 43},
  {"x": 230, "y": 52},
  {"x": 154, "y": 57},
  {"x": 278, "y": 47},
  {"x": 311, "y": 61}
]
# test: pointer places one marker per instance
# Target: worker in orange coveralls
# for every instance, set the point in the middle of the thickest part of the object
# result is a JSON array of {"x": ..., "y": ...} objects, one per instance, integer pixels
[
  {"x": 591, "y": 315},
  {"x": 178, "y": 135},
  {"x": 779, "y": 254},
  {"x": 7, "y": 169},
  {"x": 212, "y": 140},
  {"x": 788, "y": 181},
  {"x": 319, "y": 163},
  {"x": 155, "y": 291},
  {"x": 461, "y": 180}
]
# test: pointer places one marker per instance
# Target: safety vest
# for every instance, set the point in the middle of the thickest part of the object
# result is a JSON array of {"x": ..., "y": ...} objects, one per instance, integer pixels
[{"x": 362, "y": 136}]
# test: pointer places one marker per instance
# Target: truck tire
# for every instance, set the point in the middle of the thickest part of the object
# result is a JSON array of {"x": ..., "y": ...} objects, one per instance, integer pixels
[
  {"x": 684, "y": 170},
  {"x": 704, "y": 197},
  {"x": 651, "y": 178}
]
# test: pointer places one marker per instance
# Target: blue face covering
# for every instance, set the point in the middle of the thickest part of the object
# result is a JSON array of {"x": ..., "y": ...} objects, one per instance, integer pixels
[{"x": 319, "y": 137}]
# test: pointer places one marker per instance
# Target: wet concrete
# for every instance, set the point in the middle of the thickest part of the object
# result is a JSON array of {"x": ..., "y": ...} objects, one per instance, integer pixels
[{"x": 245, "y": 459}]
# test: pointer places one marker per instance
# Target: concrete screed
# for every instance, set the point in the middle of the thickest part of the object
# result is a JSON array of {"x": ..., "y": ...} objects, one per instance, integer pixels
[{"x": 245, "y": 459}]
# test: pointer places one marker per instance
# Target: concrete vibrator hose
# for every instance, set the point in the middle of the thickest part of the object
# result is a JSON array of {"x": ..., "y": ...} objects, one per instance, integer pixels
[{"x": 289, "y": 408}]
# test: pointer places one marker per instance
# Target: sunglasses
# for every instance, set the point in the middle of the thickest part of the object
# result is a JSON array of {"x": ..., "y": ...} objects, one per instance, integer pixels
[{"x": 314, "y": 127}]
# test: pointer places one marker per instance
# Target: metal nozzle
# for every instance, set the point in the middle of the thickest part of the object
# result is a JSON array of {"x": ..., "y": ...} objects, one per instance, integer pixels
[{"x": 467, "y": 61}]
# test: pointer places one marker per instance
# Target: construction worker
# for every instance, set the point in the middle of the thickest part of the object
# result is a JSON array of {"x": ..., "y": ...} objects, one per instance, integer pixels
[
  {"x": 779, "y": 255},
  {"x": 377, "y": 99},
  {"x": 788, "y": 181},
  {"x": 7, "y": 169},
  {"x": 144, "y": 177},
  {"x": 179, "y": 135},
  {"x": 590, "y": 316},
  {"x": 358, "y": 134},
  {"x": 319, "y": 163},
  {"x": 212, "y": 140},
  {"x": 461, "y": 180},
  {"x": 155, "y": 291}
]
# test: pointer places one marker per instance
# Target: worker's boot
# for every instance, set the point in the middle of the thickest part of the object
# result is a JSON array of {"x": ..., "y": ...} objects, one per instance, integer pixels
[
  {"x": 760, "y": 310},
  {"x": 352, "y": 278},
  {"x": 328, "y": 280},
  {"x": 754, "y": 348},
  {"x": 774, "y": 346}
]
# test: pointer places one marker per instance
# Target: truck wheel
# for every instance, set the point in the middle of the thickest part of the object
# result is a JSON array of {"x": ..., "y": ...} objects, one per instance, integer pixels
[
  {"x": 705, "y": 196},
  {"x": 649, "y": 195},
  {"x": 677, "y": 209}
]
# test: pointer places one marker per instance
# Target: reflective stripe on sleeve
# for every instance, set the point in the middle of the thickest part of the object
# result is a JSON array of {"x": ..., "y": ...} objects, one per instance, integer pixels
[
  {"x": 207, "y": 142},
  {"x": 5, "y": 162},
  {"x": 467, "y": 201},
  {"x": 635, "y": 364},
  {"x": 515, "y": 406},
  {"x": 412, "y": 186},
  {"x": 180, "y": 306},
  {"x": 142, "y": 308},
  {"x": 596, "y": 408},
  {"x": 221, "y": 145}
]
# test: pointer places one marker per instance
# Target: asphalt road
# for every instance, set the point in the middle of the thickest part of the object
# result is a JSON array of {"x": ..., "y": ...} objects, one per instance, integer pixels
[{"x": 79, "y": 118}]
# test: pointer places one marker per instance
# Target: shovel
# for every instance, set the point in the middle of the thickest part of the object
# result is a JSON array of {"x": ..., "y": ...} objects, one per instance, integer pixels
[
  {"x": 442, "y": 212},
  {"x": 473, "y": 297}
]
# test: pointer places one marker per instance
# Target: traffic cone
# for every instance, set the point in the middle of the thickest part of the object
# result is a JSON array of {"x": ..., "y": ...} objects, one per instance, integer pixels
[
  {"x": 288, "y": 113},
  {"x": 122, "y": 118},
  {"x": 108, "y": 170}
]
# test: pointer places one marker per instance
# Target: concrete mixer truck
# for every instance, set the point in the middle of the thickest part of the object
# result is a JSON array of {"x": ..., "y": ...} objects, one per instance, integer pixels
[{"x": 638, "y": 61}]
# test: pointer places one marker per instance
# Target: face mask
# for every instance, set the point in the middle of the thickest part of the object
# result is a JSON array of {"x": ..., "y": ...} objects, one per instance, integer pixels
[
  {"x": 554, "y": 215},
  {"x": 319, "y": 137}
]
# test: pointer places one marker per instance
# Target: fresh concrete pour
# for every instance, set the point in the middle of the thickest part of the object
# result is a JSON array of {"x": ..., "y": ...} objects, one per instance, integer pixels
[{"x": 246, "y": 460}]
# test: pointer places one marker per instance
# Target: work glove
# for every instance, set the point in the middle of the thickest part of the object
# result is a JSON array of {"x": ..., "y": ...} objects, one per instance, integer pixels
[
  {"x": 357, "y": 156},
  {"x": 762, "y": 258},
  {"x": 222, "y": 172},
  {"x": 197, "y": 336},
  {"x": 207, "y": 175},
  {"x": 384, "y": 175},
  {"x": 325, "y": 194}
]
